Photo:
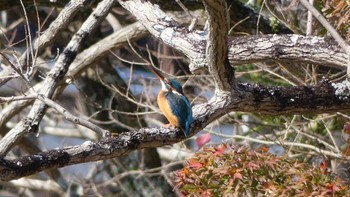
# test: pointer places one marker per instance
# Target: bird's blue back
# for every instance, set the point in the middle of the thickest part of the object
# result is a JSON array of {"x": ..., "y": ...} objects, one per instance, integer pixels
[{"x": 180, "y": 106}]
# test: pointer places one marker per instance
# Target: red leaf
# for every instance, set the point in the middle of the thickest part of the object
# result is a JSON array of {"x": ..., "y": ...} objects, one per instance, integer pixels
[
  {"x": 192, "y": 163},
  {"x": 252, "y": 166},
  {"x": 347, "y": 128},
  {"x": 196, "y": 165},
  {"x": 265, "y": 149},
  {"x": 324, "y": 166},
  {"x": 238, "y": 175},
  {"x": 220, "y": 149},
  {"x": 206, "y": 193},
  {"x": 203, "y": 139},
  {"x": 333, "y": 188}
]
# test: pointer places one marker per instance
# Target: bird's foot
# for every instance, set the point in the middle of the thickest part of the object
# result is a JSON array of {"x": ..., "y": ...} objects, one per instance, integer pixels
[{"x": 169, "y": 126}]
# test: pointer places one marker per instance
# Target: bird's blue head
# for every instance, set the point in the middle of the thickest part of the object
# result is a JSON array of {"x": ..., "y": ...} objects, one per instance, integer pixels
[
  {"x": 171, "y": 85},
  {"x": 176, "y": 85}
]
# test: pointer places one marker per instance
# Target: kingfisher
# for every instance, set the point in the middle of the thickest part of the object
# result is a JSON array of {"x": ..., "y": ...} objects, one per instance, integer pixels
[{"x": 173, "y": 103}]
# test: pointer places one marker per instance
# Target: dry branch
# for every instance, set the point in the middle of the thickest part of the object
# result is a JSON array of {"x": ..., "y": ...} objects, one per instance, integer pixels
[
  {"x": 272, "y": 100},
  {"x": 338, "y": 38},
  {"x": 286, "y": 48},
  {"x": 247, "y": 49},
  {"x": 32, "y": 121},
  {"x": 82, "y": 61},
  {"x": 79, "y": 121},
  {"x": 48, "y": 36},
  {"x": 216, "y": 47}
]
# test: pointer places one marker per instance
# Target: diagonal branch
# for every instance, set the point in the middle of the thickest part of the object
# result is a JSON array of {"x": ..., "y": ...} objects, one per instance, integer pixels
[
  {"x": 165, "y": 28},
  {"x": 70, "y": 117},
  {"x": 87, "y": 152}
]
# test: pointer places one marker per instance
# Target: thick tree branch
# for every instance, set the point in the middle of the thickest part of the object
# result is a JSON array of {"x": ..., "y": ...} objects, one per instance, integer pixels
[
  {"x": 247, "y": 49},
  {"x": 216, "y": 48},
  {"x": 160, "y": 25},
  {"x": 31, "y": 122},
  {"x": 343, "y": 44},
  {"x": 286, "y": 48},
  {"x": 321, "y": 98},
  {"x": 88, "y": 151}
]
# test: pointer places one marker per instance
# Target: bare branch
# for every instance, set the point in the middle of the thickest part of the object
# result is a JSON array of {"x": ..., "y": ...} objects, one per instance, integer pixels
[
  {"x": 14, "y": 68},
  {"x": 160, "y": 25},
  {"x": 15, "y": 98},
  {"x": 330, "y": 29},
  {"x": 8, "y": 3},
  {"x": 43, "y": 185},
  {"x": 31, "y": 122},
  {"x": 286, "y": 48},
  {"x": 102, "y": 132},
  {"x": 99, "y": 49},
  {"x": 81, "y": 63},
  {"x": 88, "y": 151},
  {"x": 85, "y": 58},
  {"x": 216, "y": 48},
  {"x": 62, "y": 20},
  {"x": 247, "y": 49},
  {"x": 317, "y": 99},
  {"x": 309, "y": 28}
]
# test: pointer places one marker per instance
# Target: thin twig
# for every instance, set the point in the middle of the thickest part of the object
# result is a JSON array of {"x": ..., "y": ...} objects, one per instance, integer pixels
[
  {"x": 15, "y": 68},
  {"x": 301, "y": 145},
  {"x": 338, "y": 38},
  {"x": 331, "y": 137},
  {"x": 16, "y": 98},
  {"x": 259, "y": 16},
  {"x": 104, "y": 133},
  {"x": 194, "y": 19},
  {"x": 309, "y": 20}
]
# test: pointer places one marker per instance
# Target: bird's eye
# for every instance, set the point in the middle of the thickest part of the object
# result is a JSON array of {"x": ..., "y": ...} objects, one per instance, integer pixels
[{"x": 168, "y": 82}]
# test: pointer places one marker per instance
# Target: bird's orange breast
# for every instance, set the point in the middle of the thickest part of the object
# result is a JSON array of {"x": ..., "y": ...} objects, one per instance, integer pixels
[{"x": 164, "y": 106}]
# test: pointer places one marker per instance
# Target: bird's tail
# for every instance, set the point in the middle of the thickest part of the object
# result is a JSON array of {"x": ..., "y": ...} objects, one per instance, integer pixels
[{"x": 186, "y": 129}]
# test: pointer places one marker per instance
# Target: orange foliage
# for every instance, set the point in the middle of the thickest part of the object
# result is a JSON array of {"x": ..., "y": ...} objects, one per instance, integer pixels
[{"x": 228, "y": 171}]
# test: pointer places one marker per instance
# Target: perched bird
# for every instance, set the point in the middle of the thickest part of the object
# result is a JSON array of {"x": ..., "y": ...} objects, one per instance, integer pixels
[{"x": 173, "y": 103}]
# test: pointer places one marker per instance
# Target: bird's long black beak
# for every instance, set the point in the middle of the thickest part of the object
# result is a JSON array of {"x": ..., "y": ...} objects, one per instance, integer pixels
[
  {"x": 157, "y": 73},
  {"x": 160, "y": 76}
]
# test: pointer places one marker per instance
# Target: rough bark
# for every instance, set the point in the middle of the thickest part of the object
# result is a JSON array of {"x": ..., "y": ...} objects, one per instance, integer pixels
[{"x": 216, "y": 45}]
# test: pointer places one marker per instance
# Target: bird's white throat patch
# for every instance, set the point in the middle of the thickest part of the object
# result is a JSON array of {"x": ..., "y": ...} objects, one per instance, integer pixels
[
  {"x": 163, "y": 86},
  {"x": 176, "y": 92}
]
